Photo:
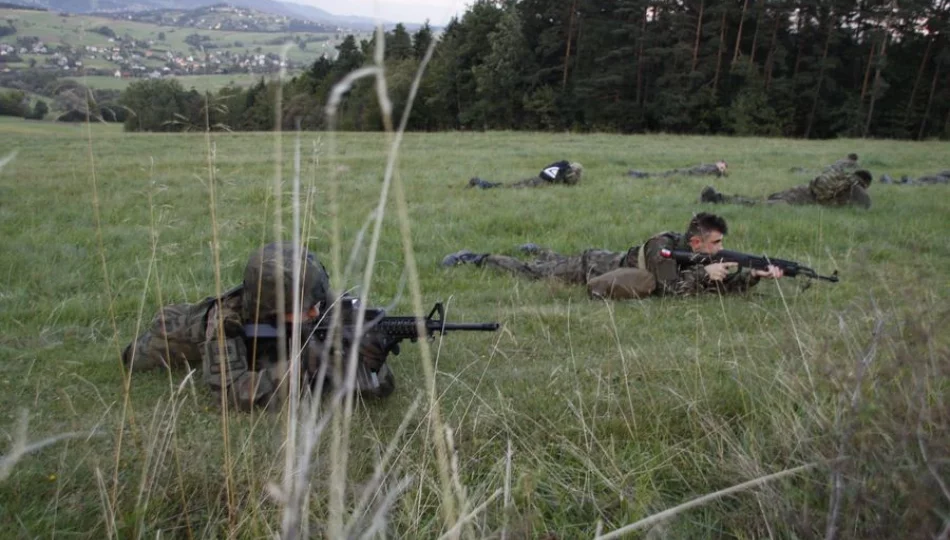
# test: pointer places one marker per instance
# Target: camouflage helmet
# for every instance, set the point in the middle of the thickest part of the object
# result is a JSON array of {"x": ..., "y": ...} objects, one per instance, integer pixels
[{"x": 271, "y": 267}]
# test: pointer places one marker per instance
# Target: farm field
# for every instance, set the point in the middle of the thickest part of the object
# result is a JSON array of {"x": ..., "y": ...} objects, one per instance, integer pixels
[
  {"x": 77, "y": 32},
  {"x": 201, "y": 83},
  {"x": 578, "y": 417}
]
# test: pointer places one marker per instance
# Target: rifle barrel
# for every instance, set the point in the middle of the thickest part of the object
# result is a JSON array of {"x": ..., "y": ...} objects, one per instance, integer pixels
[{"x": 477, "y": 327}]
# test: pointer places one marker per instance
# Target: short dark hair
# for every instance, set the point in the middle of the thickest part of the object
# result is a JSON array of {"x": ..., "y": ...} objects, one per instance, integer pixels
[
  {"x": 703, "y": 223},
  {"x": 864, "y": 177},
  {"x": 853, "y": 157}
]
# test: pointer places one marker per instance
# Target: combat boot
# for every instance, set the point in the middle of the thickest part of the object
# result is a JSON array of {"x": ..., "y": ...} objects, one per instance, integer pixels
[
  {"x": 482, "y": 184},
  {"x": 462, "y": 257}
]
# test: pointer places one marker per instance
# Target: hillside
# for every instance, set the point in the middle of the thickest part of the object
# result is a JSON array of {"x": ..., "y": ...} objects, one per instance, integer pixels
[
  {"x": 225, "y": 17},
  {"x": 107, "y": 53},
  {"x": 273, "y": 7},
  {"x": 48, "y": 40}
]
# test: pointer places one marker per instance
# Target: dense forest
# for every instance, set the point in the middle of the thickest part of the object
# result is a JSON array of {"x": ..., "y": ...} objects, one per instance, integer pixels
[{"x": 794, "y": 68}]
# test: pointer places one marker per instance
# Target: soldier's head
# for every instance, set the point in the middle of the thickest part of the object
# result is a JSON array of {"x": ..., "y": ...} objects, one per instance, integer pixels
[
  {"x": 574, "y": 172},
  {"x": 270, "y": 272},
  {"x": 722, "y": 167},
  {"x": 864, "y": 178},
  {"x": 853, "y": 157},
  {"x": 705, "y": 232}
]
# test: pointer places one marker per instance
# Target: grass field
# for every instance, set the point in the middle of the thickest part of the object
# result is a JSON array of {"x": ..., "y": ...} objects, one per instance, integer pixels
[
  {"x": 580, "y": 416},
  {"x": 198, "y": 82}
]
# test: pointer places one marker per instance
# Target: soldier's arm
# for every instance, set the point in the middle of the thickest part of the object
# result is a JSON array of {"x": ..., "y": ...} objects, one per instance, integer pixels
[
  {"x": 740, "y": 281},
  {"x": 669, "y": 276}
]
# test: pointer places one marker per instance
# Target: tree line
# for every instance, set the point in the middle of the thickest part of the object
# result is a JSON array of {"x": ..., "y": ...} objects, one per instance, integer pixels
[{"x": 794, "y": 68}]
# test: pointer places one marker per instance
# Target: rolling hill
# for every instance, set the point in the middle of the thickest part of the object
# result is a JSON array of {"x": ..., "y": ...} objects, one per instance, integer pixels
[{"x": 287, "y": 9}]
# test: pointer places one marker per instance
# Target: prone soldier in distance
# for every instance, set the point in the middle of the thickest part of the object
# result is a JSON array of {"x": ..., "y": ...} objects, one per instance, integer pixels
[
  {"x": 561, "y": 172},
  {"x": 719, "y": 168},
  {"x": 831, "y": 188},
  {"x": 942, "y": 177},
  {"x": 848, "y": 163}
]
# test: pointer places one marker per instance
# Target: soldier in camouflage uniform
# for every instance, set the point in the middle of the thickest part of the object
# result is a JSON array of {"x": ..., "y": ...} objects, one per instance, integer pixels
[
  {"x": 719, "y": 168},
  {"x": 942, "y": 177},
  {"x": 834, "y": 187},
  {"x": 561, "y": 172},
  {"x": 247, "y": 369},
  {"x": 849, "y": 163},
  {"x": 638, "y": 272}
]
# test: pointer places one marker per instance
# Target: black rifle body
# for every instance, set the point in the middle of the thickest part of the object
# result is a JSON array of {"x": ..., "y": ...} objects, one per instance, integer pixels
[
  {"x": 395, "y": 329},
  {"x": 745, "y": 260}
]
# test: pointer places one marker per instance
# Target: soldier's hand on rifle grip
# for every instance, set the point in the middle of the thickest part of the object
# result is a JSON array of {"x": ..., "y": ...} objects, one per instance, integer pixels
[
  {"x": 719, "y": 271},
  {"x": 373, "y": 350},
  {"x": 773, "y": 272}
]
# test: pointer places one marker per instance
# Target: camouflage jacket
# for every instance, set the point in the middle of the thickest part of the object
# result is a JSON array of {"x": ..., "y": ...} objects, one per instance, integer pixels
[
  {"x": 833, "y": 187},
  {"x": 842, "y": 165},
  {"x": 675, "y": 279}
]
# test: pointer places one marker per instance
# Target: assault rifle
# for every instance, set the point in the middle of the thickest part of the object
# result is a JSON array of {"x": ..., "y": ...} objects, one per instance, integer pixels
[
  {"x": 790, "y": 268},
  {"x": 394, "y": 329},
  {"x": 378, "y": 381}
]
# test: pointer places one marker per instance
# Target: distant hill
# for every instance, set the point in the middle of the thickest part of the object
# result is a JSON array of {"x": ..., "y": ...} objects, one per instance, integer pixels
[
  {"x": 349, "y": 21},
  {"x": 275, "y": 7},
  {"x": 6, "y": 5},
  {"x": 224, "y": 17}
]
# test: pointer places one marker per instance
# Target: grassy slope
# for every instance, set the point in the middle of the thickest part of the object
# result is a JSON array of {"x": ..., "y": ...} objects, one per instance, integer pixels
[
  {"x": 76, "y": 31},
  {"x": 614, "y": 410},
  {"x": 198, "y": 82}
]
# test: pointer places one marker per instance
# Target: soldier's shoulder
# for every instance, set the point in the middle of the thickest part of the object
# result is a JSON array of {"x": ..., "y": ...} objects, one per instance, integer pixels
[{"x": 665, "y": 238}]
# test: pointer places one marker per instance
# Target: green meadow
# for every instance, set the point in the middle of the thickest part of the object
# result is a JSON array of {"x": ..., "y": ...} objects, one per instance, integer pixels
[
  {"x": 577, "y": 418},
  {"x": 201, "y": 83}
]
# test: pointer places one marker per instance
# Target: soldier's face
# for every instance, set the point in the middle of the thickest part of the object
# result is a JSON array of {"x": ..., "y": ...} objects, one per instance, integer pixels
[
  {"x": 309, "y": 315},
  {"x": 710, "y": 243}
]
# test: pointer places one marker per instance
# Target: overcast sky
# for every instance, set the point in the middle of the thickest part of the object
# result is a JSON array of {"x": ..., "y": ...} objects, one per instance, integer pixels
[{"x": 437, "y": 11}]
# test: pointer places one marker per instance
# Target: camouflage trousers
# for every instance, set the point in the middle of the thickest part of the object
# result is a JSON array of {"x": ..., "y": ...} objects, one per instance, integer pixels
[
  {"x": 795, "y": 195},
  {"x": 530, "y": 182},
  {"x": 800, "y": 195},
  {"x": 939, "y": 178},
  {"x": 698, "y": 170},
  {"x": 575, "y": 269},
  {"x": 535, "y": 181}
]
